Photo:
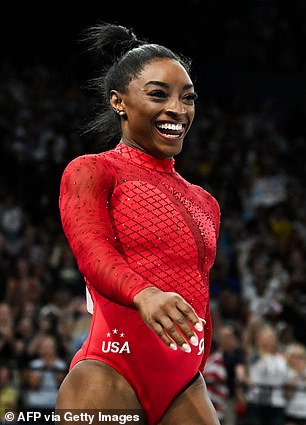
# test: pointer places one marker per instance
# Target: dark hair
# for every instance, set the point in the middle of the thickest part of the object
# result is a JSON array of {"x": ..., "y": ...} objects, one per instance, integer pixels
[{"x": 122, "y": 57}]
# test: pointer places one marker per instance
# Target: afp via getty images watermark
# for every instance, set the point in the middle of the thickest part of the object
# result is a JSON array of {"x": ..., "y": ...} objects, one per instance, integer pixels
[{"x": 89, "y": 417}]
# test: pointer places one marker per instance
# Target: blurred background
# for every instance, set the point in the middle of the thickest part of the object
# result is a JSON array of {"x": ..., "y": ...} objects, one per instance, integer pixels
[{"x": 247, "y": 148}]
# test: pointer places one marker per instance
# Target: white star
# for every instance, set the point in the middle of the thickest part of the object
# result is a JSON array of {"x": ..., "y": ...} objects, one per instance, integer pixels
[
  {"x": 122, "y": 335},
  {"x": 115, "y": 331},
  {"x": 108, "y": 334}
]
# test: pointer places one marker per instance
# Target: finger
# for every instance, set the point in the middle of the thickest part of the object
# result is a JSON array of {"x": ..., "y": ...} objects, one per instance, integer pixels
[
  {"x": 184, "y": 326},
  {"x": 190, "y": 314},
  {"x": 160, "y": 331},
  {"x": 171, "y": 329}
]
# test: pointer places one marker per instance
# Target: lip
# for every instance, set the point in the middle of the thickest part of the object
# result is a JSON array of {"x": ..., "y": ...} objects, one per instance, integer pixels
[{"x": 171, "y": 129}]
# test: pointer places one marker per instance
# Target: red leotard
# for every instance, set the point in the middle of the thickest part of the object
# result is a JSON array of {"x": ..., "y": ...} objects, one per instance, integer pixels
[{"x": 133, "y": 222}]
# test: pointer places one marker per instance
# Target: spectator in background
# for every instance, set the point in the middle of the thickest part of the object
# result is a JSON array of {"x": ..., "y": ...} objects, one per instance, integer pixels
[
  {"x": 215, "y": 376},
  {"x": 43, "y": 376},
  {"x": 294, "y": 310},
  {"x": 4, "y": 264},
  {"x": 24, "y": 332},
  {"x": 11, "y": 221},
  {"x": 47, "y": 325},
  {"x": 64, "y": 268},
  {"x": 25, "y": 283},
  {"x": 234, "y": 360},
  {"x": 296, "y": 385},
  {"x": 267, "y": 375},
  {"x": 6, "y": 332},
  {"x": 8, "y": 391},
  {"x": 222, "y": 372}
]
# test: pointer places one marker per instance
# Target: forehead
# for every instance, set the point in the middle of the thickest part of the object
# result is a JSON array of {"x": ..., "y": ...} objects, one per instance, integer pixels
[{"x": 168, "y": 71}]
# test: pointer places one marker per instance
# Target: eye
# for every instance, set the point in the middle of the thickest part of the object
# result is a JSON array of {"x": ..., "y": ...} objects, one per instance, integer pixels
[
  {"x": 191, "y": 97},
  {"x": 159, "y": 94}
]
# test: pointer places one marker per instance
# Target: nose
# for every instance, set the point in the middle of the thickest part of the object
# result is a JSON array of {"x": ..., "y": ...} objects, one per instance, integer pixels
[{"x": 175, "y": 107}]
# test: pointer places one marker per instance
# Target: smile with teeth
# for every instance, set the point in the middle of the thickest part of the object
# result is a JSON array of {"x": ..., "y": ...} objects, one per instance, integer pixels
[{"x": 170, "y": 129}]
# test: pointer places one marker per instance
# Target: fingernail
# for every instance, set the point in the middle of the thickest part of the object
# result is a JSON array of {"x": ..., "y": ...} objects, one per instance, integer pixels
[
  {"x": 199, "y": 326},
  {"x": 173, "y": 346},
  {"x": 194, "y": 340},
  {"x": 186, "y": 348}
]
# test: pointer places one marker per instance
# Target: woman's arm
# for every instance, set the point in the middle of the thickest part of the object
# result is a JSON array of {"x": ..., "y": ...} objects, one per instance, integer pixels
[{"x": 86, "y": 186}]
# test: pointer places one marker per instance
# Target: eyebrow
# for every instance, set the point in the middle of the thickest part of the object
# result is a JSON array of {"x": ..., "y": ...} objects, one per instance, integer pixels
[{"x": 165, "y": 85}]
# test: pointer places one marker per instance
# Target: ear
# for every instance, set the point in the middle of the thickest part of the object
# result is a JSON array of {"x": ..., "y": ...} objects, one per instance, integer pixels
[
  {"x": 115, "y": 100},
  {"x": 117, "y": 103}
]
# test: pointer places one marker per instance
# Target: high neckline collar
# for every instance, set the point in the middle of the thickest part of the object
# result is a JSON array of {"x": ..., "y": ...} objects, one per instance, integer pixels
[{"x": 145, "y": 160}]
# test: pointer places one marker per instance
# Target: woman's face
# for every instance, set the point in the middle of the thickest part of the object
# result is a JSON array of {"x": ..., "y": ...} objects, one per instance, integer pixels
[{"x": 159, "y": 106}]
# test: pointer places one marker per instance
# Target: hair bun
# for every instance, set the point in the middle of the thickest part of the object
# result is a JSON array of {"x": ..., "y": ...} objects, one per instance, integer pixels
[
  {"x": 109, "y": 42},
  {"x": 122, "y": 47}
]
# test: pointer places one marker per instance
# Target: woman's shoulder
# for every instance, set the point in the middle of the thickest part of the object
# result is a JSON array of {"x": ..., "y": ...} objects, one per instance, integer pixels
[
  {"x": 88, "y": 171},
  {"x": 89, "y": 163},
  {"x": 89, "y": 159},
  {"x": 207, "y": 196}
]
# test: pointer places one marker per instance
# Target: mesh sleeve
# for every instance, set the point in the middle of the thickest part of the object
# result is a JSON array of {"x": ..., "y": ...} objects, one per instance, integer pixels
[{"x": 85, "y": 188}]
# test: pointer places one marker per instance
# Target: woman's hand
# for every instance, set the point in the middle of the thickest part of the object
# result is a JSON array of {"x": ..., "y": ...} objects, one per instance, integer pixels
[{"x": 170, "y": 317}]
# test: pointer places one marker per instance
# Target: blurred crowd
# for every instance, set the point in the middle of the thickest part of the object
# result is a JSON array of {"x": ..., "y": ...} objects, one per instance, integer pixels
[{"x": 249, "y": 153}]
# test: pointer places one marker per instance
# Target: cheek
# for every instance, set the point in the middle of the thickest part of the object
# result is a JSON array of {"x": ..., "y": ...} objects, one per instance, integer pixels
[
  {"x": 141, "y": 116},
  {"x": 140, "y": 126},
  {"x": 191, "y": 114}
]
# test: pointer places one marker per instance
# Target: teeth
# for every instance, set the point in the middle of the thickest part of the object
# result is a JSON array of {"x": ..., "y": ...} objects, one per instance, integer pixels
[{"x": 168, "y": 126}]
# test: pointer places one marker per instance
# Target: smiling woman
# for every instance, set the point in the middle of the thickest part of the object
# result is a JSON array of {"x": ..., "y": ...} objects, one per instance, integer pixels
[
  {"x": 145, "y": 241},
  {"x": 160, "y": 112}
]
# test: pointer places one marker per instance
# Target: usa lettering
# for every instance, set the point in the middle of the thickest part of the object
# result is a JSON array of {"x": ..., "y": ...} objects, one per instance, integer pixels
[{"x": 115, "y": 347}]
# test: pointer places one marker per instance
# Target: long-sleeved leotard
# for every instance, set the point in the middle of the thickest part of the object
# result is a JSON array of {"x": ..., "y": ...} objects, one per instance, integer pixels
[{"x": 133, "y": 222}]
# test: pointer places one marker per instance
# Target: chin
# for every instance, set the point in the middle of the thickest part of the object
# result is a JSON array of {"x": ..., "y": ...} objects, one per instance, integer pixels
[
  {"x": 173, "y": 152},
  {"x": 169, "y": 151}
]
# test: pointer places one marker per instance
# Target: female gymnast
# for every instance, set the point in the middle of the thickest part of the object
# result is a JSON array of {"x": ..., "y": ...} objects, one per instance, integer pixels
[{"x": 145, "y": 241}]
